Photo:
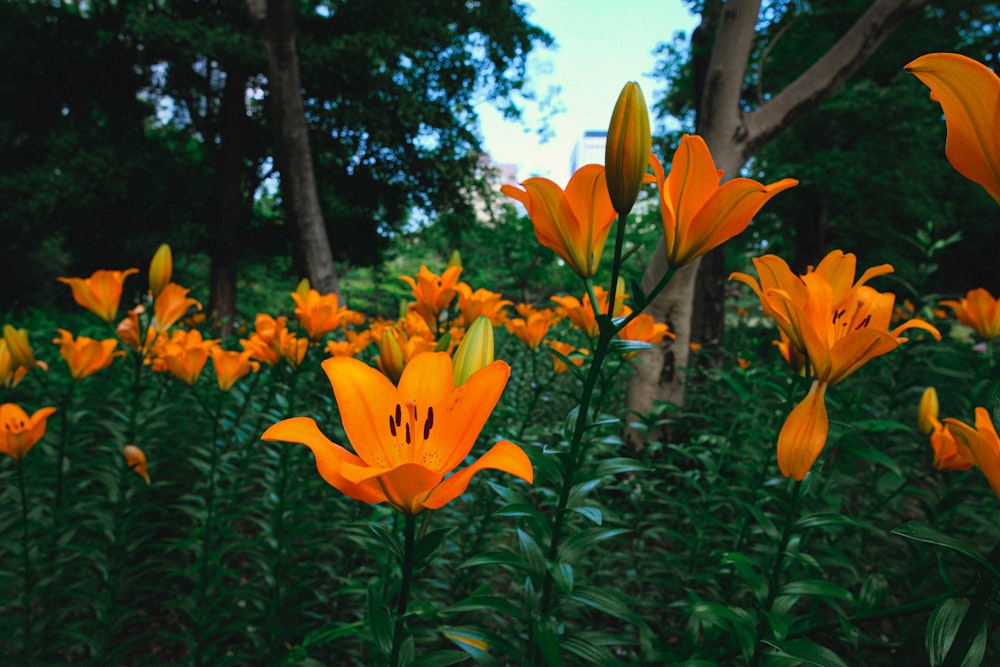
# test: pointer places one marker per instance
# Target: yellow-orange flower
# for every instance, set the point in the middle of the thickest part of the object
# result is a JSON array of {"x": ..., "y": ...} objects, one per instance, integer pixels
[
  {"x": 18, "y": 431},
  {"x": 645, "y": 329},
  {"x": 475, "y": 351},
  {"x": 981, "y": 444},
  {"x": 837, "y": 324},
  {"x": 574, "y": 223},
  {"x": 171, "y": 305},
  {"x": 698, "y": 214},
  {"x": 231, "y": 365},
  {"x": 355, "y": 343},
  {"x": 11, "y": 372},
  {"x": 101, "y": 292},
  {"x": 264, "y": 343},
  {"x": 184, "y": 355},
  {"x": 948, "y": 455},
  {"x": 396, "y": 348},
  {"x": 581, "y": 313},
  {"x": 319, "y": 314},
  {"x": 85, "y": 356},
  {"x": 19, "y": 347},
  {"x": 569, "y": 352},
  {"x": 135, "y": 459},
  {"x": 979, "y": 310},
  {"x": 969, "y": 95},
  {"x": 433, "y": 293},
  {"x": 407, "y": 439},
  {"x": 481, "y": 302},
  {"x": 533, "y": 327}
]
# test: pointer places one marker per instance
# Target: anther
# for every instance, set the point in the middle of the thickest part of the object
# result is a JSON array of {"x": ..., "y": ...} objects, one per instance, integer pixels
[
  {"x": 408, "y": 440},
  {"x": 864, "y": 322},
  {"x": 392, "y": 426},
  {"x": 429, "y": 422},
  {"x": 399, "y": 414}
]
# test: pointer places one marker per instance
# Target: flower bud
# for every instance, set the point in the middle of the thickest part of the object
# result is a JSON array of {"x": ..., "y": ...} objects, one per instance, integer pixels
[
  {"x": 390, "y": 355},
  {"x": 928, "y": 411},
  {"x": 161, "y": 269},
  {"x": 475, "y": 351},
  {"x": 19, "y": 347},
  {"x": 626, "y": 156},
  {"x": 135, "y": 458},
  {"x": 303, "y": 288},
  {"x": 455, "y": 259}
]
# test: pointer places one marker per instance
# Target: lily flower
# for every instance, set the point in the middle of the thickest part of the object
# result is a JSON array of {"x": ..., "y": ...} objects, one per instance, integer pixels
[
  {"x": 135, "y": 459},
  {"x": 698, "y": 214},
  {"x": 927, "y": 411},
  {"x": 837, "y": 324},
  {"x": 11, "y": 372},
  {"x": 18, "y": 431},
  {"x": 981, "y": 443},
  {"x": 320, "y": 314},
  {"x": 948, "y": 455},
  {"x": 171, "y": 305},
  {"x": 100, "y": 293},
  {"x": 581, "y": 313},
  {"x": 979, "y": 310},
  {"x": 433, "y": 293},
  {"x": 575, "y": 222},
  {"x": 575, "y": 355},
  {"x": 231, "y": 365},
  {"x": 408, "y": 439},
  {"x": 475, "y": 351},
  {"x": 184, "y": 355},
  {"x": 473, "y": 304},
  {"x": 969, "y": 95},
  {"x": 645, "y": 329},
  {"x": 533, "y": 327},
  {"x": 85, "y": 356},
  {"x": 20, "y": 350}
]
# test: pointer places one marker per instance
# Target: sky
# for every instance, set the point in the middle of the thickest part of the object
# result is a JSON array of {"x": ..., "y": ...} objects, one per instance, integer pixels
[{"x": 600, "y": 45}]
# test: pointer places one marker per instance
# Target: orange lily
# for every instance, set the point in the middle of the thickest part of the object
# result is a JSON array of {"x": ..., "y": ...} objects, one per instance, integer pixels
[
  {"x": 184, "y": 355},
  {"x": 644, "y": 328},
  {"x": 533, "y": 327},
  {"x": 85, "y": 356},
  {"x": 171, "y": 305},
  {"x": 698, "y": 214},
  {"x": 574, "y": 223},
  {"x": 837, "y": 324},
  {"x": 320, "y": 314},
  {"x": 927, "y": 411},
  {"x": 19, "y": 348},
  {"x": 433, "y": 293},
  {"x": 100, "y": 293},
  {"x": 397, "y": 348},
  {"x": 566, "y": 350},
  {"x": 135, "y": 459},
  {"x": 948, "y": 455},
  {"x": 18, "y": 431},
  {"x": 481, "y": 302},
  {"x": 408, "y": 438},
  {"x": 355, "y": 343},
  {"x": 11, "y": 372},
  {"x": 231, "y": 365},
  {"x": 981, "y": 444},
  {"x": 581, "y": 313},
  {"x": 979, "y": 310},
  {"x": 969, "y": 95}
]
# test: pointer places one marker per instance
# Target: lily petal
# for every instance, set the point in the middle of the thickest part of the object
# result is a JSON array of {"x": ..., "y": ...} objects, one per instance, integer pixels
[
  {"x": 366, "y": 398},
  {"x": 330, "y": 457},
  {"x": 504, "y": 455},
  {"x": 804, "y": 434},
  {"x": 969, "y": 95}
]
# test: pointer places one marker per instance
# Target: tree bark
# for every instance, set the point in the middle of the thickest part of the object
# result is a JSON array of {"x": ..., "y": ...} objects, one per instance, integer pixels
[
  {"x": 734, "y": 136},
  {"x": 276, "y": 19}
]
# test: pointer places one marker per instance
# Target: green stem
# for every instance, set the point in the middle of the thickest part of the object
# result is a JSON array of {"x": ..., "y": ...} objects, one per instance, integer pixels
[
  {"x": 61, "y": 456},
  {"x": 975, "y": 617},
  {"x": 791, "y": 515},
  {"x": 409, "y": 531},
  {"x": 25, "y": 547}
]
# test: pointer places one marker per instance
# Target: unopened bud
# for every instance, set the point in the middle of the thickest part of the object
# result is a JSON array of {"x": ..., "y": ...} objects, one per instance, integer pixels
[
  {"x": 161, "y": 269},
  {"x": 626, "y": 156},
  {"x": 475, "y": 351}
]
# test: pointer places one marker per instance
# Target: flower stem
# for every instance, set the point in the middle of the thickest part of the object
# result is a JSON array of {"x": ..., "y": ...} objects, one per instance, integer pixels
[
  {"x": 974, "y": 619},
  {"x": 25, "y": 547},
  {"x": 409, "y": 532}
]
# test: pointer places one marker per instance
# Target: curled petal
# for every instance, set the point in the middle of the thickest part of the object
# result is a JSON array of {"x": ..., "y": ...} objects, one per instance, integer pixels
[
  {"x": 804, "y": 434},
  {"x": 504, "y": 455},
  {"x": 329, "y": 457}
]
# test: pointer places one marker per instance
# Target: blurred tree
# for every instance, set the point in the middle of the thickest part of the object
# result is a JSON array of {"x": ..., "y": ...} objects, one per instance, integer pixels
[{"x": 753, "y": 71}]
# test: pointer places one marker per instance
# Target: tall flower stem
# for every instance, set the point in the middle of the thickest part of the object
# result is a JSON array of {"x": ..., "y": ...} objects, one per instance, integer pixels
[
  {"x": 975, "y": 616},
  {"x": 25, "y": 548},
  {"x": 409, "y": 538},
  {"x": 791, "y": 514}
]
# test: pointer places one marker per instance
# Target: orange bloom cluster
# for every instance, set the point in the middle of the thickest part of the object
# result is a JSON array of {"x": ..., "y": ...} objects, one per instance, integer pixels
[
  {"x": 18, "y": 431},
  {"x": 948, "y": 455},
  {"x": 979, "y": 310},
  {"x": 85, "y": 356},
  {"x": 837, "y": 325},
  {"x": 321, "y": 314}
]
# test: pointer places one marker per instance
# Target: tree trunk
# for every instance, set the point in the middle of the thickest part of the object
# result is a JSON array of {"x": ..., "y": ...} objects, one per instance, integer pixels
[
  {"x": 298, "y": 181},
  {"x": 734, "y": 136}
]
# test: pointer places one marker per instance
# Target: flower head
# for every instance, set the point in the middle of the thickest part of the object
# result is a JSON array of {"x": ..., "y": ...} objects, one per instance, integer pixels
[
  {"x": 408, "y": 439},
  {"x": 319, "y": 314},
  {"x": 433, "y": 293},
  {"x": 979, "y": 310},
  {"x": 626, "y": 155},
  {"x": 533, "y": 327},
  {"x": 184, "y": 354},
  {"x": 573, "y": 223},
  {"x": 645, "y": 329},
  {"x": 231, "y": 365},
  {"x": 969, "y": 95},
  {"x": 85, "y": 356},
  {"x": 171, "y": 305},
  {"x": 698, "y": 214},
  {"x": 101, "y": 292},
  {"x": 473, "y": 304},
  {"x": 18, "y": 431},
  {"x": 981, "y": 443},
  {"x": 948, "y": 454}
]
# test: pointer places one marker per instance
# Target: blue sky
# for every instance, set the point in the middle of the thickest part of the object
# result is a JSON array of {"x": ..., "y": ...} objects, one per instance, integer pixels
[{"x": 600, "y": 45}]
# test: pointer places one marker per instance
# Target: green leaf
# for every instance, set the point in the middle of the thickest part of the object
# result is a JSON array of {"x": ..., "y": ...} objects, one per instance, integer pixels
[
  {"x": 589, "y": 651},
  {"x": 914, "y": 530},
  {"x": 387, "y": 539},
  {"x": 441, "y": 659},
  {"x": 592, "y": 513},
  {"x": 819, "y": 587},
  {"x": 484, "y": 602},
  {"x": 428, "y": 545},
  {"x": 941, "y": 630},
  {"x": 808, "y": 652},
  {"x": 747, "y": 569},
  {"x": 379, "y": 622}
]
